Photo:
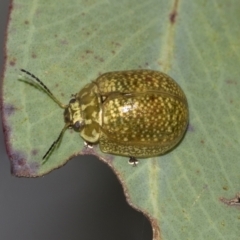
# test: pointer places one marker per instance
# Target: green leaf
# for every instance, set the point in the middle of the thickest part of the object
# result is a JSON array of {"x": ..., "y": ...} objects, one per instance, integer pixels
[{"x": 69, "y": 43}]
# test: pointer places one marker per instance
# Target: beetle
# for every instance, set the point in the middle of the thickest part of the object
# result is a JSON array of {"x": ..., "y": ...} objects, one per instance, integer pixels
[{"x": 134, "y": 113}]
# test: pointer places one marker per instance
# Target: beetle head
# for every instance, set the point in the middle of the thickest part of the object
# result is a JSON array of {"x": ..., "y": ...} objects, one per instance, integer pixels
[{"x": 73, "y": 116}]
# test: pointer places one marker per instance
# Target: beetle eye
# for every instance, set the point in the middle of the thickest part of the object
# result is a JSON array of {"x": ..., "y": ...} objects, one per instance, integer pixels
[{"x": 78, "y": 125}]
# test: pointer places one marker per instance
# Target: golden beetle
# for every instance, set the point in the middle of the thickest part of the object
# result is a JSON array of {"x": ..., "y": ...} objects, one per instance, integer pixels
[{"x": 136, "y": 113}]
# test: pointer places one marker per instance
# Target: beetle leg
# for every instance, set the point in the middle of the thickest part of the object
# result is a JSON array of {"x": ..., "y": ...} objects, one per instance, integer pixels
[
  {"x": 88, "y": 145},
  {"x": 133, "y": 161}
]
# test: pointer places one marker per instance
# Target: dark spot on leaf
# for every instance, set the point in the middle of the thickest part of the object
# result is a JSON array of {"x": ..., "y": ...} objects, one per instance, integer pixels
[
  {"x": 21, "y": 162},
  {"x": 34, "y": 55},
  {"x": 172, "y": 17},
  {"x": 83, "y": 13},
  {"x": 20, "y": 167},
  {"x": 202, "y": 141},
  {"x": 173, "y": 14},
  {"x": 34, "y": 152},
  {"x": 99, "y": 58},
  {"x": 89, "y": 51},
  {"x": 9, "y": 109},
  {"x": 225, "y": 188},
  {"x": 116, "y": 44},
  {"x": 26, "y": 22},
  {"x": 198, "y": 171},
  {"x": 12, "y": 62},
  {"x": 231, "y": 82},
  {"x": 113, "y": 52}
]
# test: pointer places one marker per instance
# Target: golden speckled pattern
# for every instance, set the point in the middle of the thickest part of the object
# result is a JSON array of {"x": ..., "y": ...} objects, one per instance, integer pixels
[{"x": 143, "y": 117}]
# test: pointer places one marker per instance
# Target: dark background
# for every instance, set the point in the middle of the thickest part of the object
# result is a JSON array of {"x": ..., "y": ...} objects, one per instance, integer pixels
[{"x": 82, "y": 200}]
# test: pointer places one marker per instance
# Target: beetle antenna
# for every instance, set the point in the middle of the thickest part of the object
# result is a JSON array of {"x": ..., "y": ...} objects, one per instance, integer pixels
[
  {"x": 55, "y": 142},
  {"x": 45, "y": 88}
]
